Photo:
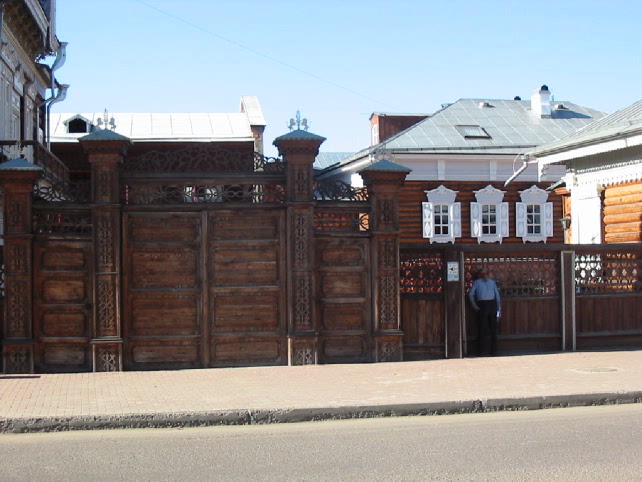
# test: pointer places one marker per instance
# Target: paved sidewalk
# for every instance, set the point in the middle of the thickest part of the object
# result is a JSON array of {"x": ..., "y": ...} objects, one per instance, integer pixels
[{"x": 288, "y": 394}]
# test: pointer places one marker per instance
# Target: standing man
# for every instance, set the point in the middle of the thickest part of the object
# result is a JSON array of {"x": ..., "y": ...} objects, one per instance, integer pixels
[{"x": 486, "y": 301}]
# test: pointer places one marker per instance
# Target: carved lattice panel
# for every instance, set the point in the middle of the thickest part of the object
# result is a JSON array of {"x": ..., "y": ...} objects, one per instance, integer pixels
[
  {"x": 517, "y": 275},
  {"x": 422, "y": 273},
  {"x": 342, "y": 221},
  {"x": 136, "y": 194},
  {"x": 202, "y": 157},
  {"x": 608, "y": 272},
  {"x": 339, "y": 191}
]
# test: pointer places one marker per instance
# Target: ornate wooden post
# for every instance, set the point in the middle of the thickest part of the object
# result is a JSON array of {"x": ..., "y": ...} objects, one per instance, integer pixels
[
  {"x": 106, "y": 150},
  {"x": 18, "y": 177},
  {"x": 299, "y": 148},
  {"x": 384, "y": 181}
]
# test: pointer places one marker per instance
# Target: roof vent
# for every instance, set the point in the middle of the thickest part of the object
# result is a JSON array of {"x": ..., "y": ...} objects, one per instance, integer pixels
[
  {"x": 560, "y": 107},
  {"x": 517, "y": 97},
  {"x": 484, "y": 104},
  {"x": 443, "y": 106}
]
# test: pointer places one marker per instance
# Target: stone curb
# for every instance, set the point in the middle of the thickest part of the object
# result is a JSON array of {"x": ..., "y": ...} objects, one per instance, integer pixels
[{"x": 266, "y": 416}]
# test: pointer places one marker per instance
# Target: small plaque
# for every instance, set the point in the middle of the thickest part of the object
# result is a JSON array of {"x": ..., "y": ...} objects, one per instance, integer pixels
[{"x": 453, "y": 271}]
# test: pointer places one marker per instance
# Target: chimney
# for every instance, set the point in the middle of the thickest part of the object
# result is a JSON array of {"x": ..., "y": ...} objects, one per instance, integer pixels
[{"x": 541, "y": 102}]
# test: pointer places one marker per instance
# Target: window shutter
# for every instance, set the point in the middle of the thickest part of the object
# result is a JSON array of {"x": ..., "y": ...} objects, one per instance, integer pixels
[
  {"x": 455, "y": 216},
  {"x": 548, "y": 220},
  {"x": 428, "y": 219},
  {"x": 520, "y": 220},
  {"x": 475, "y": 219},
  {"x": 503, "y": 220}
]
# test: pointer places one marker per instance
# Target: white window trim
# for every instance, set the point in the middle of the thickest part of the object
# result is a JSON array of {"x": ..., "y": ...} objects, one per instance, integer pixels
[
  {"x": 441, "y": 196},
  {"x": 534, "y": 196},
  {"x": 493, "y": 197}
]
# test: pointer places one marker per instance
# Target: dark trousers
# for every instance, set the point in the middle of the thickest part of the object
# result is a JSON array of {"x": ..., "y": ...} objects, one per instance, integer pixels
[{"x": 487, "y": 325}]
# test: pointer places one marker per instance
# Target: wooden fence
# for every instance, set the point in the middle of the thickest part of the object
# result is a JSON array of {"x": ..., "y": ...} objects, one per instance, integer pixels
[{"x": 554, "y": 297}]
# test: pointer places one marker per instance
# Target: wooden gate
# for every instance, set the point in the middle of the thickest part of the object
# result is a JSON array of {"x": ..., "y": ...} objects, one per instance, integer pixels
[{"x": 204, "y": 289}]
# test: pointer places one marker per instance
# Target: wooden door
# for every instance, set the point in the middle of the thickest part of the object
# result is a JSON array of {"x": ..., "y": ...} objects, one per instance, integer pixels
[
  {"x": 163, "y": 286},
  {"x": 247, "y": 288},
  {"x": 63, "y": 311},
  {"x": 344, "y": 294}
]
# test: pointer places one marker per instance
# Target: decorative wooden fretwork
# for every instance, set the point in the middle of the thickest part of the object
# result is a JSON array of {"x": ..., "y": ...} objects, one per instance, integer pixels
[
  {"x": 387, "y": 213},
  {"x": 61, "y": 222},
  {"x": 530, "y": 276},
  {"x": 106, "y": 307},
  {"x": 2, "y": 292},
  {"x": 202, "y": 157},
  {"x": 107, "y": 359},
  {"x": 342, "y": 221},
  {"x": 422, "y": 274},
  {"x": 388, "y": 351},
  {"x": 608, "y": 272},
  {"x": 302, "y": 318},
  {"x": 77, "y": 192},
  {"x": 192, "y": 194},
  {"x": 17, "y": 259},
  {"x": 301, "y": 239},
  {"x": 17, "y": 306},
  {"x": 14, "y": 213},
  {"x": 388, "y": 253},
  {"x": 301, "y": 180},
  {"x": 303, "y": 354},
  {"x": 105, "y": 229},
  {"x": 338, "y": 191},
  {"x": 103, "y": 183},
  {"x": 388, "y": 301},
  {"x": 18, "y": 359}
]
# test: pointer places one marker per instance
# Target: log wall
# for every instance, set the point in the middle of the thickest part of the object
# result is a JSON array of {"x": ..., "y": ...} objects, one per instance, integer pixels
[{"x": 623, "y": 213}]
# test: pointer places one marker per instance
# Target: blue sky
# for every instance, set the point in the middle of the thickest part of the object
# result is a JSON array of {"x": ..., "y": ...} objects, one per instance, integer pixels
[{"x": 339, "y": 61}]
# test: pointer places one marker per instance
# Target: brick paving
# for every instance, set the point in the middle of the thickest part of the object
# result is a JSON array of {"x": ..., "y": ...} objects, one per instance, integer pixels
[{"x": 506, "y": 380}]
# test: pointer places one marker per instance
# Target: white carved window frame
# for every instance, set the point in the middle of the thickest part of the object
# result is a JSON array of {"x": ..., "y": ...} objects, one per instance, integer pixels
[
  {"x": 442, "y": 196},
  {"x": 532, "y": 197},
  {"x": 489, "y": 196}
]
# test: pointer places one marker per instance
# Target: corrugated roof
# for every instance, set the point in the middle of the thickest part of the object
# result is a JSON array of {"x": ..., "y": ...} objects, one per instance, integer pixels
[
  {"x": 618, "y": 124},
  {"x": 208, "y": 127}
]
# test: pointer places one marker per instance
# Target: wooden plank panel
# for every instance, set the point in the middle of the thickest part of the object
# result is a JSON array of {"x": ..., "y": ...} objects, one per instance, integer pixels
[
  {"x": 153, "y": 228},
  {"x": 245, "y": 313},
  {"x": 167, "y": 353},
  {"x": 244, "y": 226},
  {"x": 343, "y": 316},
  {"x": 70, "y": 322},
  {"x": 343, "y": 285},
  {"x": 344, "y": 349},
  {"x": 247, "y": 351},
  {"x": 64, "y": 259},
  {"x": 65, "y": 290},
  {"x": 167, "y": 314},
  {"x": 64, "y": 355},
  {"x": 164, "y": 267}
]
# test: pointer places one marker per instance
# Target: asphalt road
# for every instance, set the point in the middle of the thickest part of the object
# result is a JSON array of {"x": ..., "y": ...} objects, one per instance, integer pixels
[{"x": 590, "y": 443}]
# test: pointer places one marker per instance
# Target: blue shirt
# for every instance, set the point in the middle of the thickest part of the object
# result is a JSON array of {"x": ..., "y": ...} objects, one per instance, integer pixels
[{"x": 484, "y": 290}]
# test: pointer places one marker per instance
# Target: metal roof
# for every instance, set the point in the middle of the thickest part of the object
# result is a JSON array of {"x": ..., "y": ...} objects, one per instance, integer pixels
[
  {"x": 173, "y": 127},
  {"x": 621, "y": 123},
  {"x": 511, "y": 124},
  {"x": 327, "y": 159}
]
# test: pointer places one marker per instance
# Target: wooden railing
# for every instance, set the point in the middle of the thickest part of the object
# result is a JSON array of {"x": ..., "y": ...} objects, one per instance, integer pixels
[{"x": 54, "y": 170}]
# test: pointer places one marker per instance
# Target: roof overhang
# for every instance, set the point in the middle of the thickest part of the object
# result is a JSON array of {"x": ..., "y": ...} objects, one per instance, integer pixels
[{"x": 580, "y": 151}]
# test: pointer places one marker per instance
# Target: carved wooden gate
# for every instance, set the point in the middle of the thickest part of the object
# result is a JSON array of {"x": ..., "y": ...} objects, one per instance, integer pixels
[
  {"x": 204, "y": 288},
  {"x": 193, "y": 256}
]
